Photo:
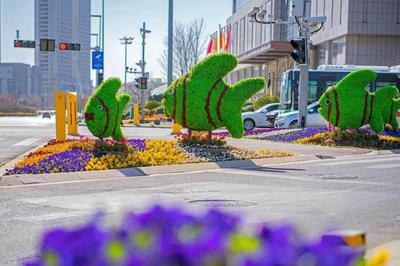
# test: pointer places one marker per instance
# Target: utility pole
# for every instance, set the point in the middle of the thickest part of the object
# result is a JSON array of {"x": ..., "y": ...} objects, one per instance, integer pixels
[
  {"x": 126, "y": 41},
  {"x": 170, "y": 41},
  {"x": 142, "y": 64},
  {"x": 102, "y": 40}
]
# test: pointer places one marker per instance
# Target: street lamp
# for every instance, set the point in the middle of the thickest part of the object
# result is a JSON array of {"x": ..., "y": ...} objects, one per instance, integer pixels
[{"x": 126, "y": 41}]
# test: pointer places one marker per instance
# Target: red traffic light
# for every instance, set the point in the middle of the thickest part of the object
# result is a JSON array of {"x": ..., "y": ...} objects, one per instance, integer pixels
[
  {"x": 63, "y": 46},
  {"x": 17, "y": 43}
]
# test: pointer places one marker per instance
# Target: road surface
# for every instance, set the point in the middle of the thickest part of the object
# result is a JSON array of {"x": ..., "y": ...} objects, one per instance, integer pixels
[
  {"x": 360, "y": 192},
  {"x": 21, "y": 134}
]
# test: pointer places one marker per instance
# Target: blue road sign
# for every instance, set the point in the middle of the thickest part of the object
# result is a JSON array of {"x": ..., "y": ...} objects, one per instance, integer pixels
[{"x": 97, "y": 60}]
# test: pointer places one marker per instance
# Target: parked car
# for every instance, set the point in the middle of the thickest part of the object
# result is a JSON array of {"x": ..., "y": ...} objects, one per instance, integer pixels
[
  {"x": 46, "y": 115},
  {"x": 258, "y": 117},
  {"x": 271, "y": 117},
  {"x": 290, "y": 120}
]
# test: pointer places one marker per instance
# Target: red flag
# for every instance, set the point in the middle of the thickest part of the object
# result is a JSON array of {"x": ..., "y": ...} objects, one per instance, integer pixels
[
  {"x": 228, "y": 38},
  {"x": 210, "y": 46}
]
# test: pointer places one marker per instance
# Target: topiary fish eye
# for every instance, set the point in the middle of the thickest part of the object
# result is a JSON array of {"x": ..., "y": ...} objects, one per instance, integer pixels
[
  {"x": 99, "y": 107},
  {"x": 328, "y": 101}
]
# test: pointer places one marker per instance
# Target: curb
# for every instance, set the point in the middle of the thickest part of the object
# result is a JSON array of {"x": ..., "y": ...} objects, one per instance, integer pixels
[
  {"x": 18, "y": 180},
  {"x": 13, "y": 162}
]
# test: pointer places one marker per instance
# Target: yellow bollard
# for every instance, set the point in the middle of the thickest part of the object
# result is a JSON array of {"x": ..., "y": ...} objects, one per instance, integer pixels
[
  {"x": 60, "y": 115},
  {"x": 176, "y": 128},
  {"x": 136, "y": 115},
  {"x": 72, "y": 114}
]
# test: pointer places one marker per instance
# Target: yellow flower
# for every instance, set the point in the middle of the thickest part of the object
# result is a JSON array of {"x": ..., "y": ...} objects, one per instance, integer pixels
[{"x": 381, "y": 258}]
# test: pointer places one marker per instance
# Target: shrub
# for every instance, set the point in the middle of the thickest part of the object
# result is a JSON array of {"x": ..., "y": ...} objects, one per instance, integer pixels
[
  {"x": 265, "y": 99},
  {"x": 152, "y": 105}
]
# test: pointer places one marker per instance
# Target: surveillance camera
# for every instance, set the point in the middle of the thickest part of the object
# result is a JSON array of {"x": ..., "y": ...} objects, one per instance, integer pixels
[
  {"x": 253, "y": 13},
  {"x": 262, "y": 15},
  {"x": 315, "y": 19}
]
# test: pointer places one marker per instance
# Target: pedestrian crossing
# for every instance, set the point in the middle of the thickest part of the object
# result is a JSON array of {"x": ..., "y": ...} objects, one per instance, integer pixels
[{"x": 27, "y": 142}]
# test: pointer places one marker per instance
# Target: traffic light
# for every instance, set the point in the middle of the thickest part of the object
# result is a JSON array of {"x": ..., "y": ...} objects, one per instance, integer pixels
[
  {"x": 143, "y": 83},
  {"x": 64, "y": 46},
  {"x": 299, "y": 54},
  {"x": 24, "y": 44},
  {"x": 47, "y": 45},
  {"x": 137, "y": 84},
  {"x": 100, "y": 78}
]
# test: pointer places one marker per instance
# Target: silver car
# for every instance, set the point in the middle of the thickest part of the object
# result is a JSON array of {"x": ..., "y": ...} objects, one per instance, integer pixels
[
  {"x": 290, "y": 120},
  {"x": 258, "y": 118}
]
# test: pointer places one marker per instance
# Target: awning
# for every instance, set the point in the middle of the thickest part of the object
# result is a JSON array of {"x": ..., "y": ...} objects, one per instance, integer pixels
[{"x": 266, "y": 52}]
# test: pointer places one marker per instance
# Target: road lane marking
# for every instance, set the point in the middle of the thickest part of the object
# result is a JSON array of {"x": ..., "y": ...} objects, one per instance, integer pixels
[
  {"x": 377, "y": 160},
  {"x": 385, "y": 166},
  {"x": 27, "y": 142},
  {"x": 298, "y": 178}
]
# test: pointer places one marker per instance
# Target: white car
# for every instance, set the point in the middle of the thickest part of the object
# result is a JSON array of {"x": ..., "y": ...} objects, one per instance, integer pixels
[
  {"x": 290, "y": 120},
  {"x": 258, "y": 118}
]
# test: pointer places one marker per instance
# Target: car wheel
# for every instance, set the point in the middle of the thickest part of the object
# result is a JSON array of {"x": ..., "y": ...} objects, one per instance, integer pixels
[
  {"x": 293, "y": 124},
  {"x": 249, "y": 124}
]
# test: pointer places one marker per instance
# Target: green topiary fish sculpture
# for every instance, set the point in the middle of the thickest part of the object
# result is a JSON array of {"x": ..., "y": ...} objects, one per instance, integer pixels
[
  {"x": 349, "y": 105},
  {"x": 104, "y": 109},
  {"x": 201, "y": 100}
]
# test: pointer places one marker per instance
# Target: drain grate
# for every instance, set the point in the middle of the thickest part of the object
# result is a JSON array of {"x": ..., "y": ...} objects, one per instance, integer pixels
[
  {"x": 222, "y": 203},
  {"x": 337, "y": 177}
]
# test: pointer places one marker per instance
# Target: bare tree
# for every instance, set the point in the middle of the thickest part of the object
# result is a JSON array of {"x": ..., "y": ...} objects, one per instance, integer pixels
[{"x": 189, "y": 46}]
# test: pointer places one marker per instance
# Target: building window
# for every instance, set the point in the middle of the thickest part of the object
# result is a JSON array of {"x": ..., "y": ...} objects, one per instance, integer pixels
[
  {"x": 235, "y": 39},
  {"x": 321, "y": 55},
  {"x": 332, "y": 14},
  {"x": 365, "y": 12},
  {"x": 242, "y": 35},
  {"x": 398, "y": 12},
  {"x": 337, "y": 49},
  {"x": 340, "y": 13}
]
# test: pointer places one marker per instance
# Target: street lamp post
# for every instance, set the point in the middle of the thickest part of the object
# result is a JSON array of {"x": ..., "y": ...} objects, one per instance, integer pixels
[
  {"x": 142, "y": 63},
  {"x": 170, "y": 41},
  {"x": 126, "y": 41}
]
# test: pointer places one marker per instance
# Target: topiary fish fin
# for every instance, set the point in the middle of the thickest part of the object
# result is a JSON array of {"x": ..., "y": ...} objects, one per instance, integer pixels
[
  {"x": 233, "y": 102},
  {"x": 123, "y": 100},
  {"x": 109, "y": 87},
  {"x": 214, "y": 67},
  {"x": 357, "y": 79},
  {"x": 383, "y": 96}
]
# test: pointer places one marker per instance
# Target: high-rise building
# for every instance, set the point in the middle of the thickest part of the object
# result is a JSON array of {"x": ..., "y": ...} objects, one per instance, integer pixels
[{"x": 64, "y": 21}]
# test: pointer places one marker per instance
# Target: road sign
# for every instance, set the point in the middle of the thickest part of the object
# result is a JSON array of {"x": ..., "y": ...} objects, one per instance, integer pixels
[{"x": 97, "y": 60}]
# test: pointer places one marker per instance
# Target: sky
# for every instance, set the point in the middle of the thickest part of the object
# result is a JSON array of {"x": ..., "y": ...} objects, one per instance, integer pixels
[{"x": 122, "y": 18}]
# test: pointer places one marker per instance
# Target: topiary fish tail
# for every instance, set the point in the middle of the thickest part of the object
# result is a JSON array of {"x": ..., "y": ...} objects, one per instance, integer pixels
[
  {"x": 123, "y": 100},
  {"x": 235, "y": 98},
  {"x": 381, "y": 98}
]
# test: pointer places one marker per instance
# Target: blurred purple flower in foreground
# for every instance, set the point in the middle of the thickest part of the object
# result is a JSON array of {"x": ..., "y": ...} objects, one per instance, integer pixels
[{"x": 173, "y": 237}]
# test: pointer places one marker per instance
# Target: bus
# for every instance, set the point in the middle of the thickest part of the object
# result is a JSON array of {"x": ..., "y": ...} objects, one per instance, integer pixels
[{"x": 326, "y": 76}]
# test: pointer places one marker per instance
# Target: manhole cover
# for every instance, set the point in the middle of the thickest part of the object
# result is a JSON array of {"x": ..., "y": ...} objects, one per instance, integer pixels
[
  {"x": 338, "y": 177},
  {"x": 220, "y": 203}
]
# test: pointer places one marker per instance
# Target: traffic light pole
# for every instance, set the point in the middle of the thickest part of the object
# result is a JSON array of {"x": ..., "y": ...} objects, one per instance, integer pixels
[
  {"x": 303, "y": 83},
  {"x": 143, "y": 32}
]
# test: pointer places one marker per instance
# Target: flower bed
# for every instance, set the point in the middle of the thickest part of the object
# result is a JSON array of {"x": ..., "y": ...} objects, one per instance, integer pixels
[
  {"x": 362, "y": 138},
  {"x": 172, "y": 236},
  {"x": 87, "y": 154}
]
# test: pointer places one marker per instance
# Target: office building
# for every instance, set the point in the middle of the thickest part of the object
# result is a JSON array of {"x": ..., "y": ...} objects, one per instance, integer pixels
[
  {"x": 357, "y": 32},
  {"x": 15, "y": 81},
  {"x": 64, "y": 21}
]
